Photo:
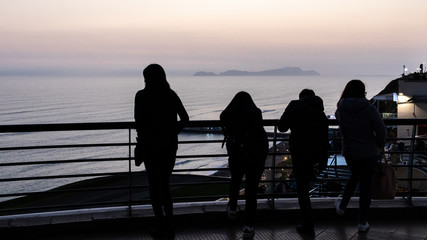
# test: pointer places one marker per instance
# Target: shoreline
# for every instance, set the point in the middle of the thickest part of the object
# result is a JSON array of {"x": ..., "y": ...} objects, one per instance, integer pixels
[{"x": 97, "y": 191}]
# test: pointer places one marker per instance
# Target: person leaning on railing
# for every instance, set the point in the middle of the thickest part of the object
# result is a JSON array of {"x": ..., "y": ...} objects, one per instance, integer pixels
[
  {"x": 247, "y": 147},
  {"x": 363, "y": 135},
  {"x": 308, "y": 143}
]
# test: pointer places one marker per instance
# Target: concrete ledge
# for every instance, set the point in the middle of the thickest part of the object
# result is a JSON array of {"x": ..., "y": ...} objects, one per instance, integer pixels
[{"x": 145, "y": 211}]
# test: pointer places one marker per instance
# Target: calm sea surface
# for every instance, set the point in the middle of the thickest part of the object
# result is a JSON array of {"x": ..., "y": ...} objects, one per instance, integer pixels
[{"x": 37, "y": 100}]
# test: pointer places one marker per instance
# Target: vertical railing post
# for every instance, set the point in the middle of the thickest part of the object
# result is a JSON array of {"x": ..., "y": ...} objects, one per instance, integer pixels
[
  {"x": 411, "y": 163},
  {"x": 130, "y": 171},
  {"x": 335, "y": 160},
  {"x": 273, "y": 172}
]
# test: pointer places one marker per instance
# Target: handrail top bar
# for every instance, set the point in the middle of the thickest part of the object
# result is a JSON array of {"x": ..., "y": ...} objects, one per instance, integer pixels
[
  {"x": 131, "y": 125},
  {"x": 102, "y": 126}
]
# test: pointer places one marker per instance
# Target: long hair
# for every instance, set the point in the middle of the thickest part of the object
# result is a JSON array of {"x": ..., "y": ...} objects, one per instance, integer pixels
[
  {"x": 155, "y": 77},
  {"x": 354, "y": 89},
  {"x": 242, "y": 103}
]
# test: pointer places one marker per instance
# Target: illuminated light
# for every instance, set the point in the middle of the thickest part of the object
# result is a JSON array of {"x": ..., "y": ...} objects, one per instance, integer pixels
[{"x": 402, "y": 98}]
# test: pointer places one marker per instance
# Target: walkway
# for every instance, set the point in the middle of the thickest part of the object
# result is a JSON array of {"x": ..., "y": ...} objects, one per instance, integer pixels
[{"x": 398, "y": 222}]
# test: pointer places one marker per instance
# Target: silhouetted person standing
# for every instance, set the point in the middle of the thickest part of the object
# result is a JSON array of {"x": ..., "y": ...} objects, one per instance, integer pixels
[
  {"x": 157, "y": 107},
  {"x": 247, "y": 147},
  {"x": 363, "y": 135},
  {"x": 308, "y": 144}
]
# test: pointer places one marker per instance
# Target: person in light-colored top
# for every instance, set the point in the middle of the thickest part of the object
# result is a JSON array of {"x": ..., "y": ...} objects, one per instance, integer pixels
[{"x": 363, "y": 135}]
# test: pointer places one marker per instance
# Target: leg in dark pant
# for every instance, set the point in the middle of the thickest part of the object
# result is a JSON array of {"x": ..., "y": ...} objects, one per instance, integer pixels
[
  {"x": 158, "y": 173},
  {"x": 361, "y": 172},
  {"x": 154, "y": 179},
  {"x": 159, "y": 170},
  {"x": 303, "y": 172},
  {"x": 365, "y": 189},
  {"x": 237, "y": 173},
  {"x": 253, "y": 176},
  {"x": 351, "y": 185},
  {"x": 166, "y": 193}
]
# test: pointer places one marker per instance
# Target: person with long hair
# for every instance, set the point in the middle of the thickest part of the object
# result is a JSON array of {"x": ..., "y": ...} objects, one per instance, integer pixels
[
  {"x": 247, "y": 147},
  {"x": 363, "y": 135},
  {"x": 157, "y": 107}
]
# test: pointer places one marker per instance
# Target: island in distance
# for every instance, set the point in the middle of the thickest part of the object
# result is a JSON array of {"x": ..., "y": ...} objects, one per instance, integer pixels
[{"x": 286, "y": 71}]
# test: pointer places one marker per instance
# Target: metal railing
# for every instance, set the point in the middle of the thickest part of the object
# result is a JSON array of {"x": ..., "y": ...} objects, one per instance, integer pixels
[{"x": 91, "y": 164}]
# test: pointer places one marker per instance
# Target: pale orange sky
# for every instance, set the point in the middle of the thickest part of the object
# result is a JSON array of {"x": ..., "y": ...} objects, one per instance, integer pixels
[{"x": 329, "y": 36}]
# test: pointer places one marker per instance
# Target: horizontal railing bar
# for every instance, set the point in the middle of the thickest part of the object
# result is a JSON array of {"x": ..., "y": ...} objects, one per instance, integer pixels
[
  {"x": 201, "y": 156},
  {"x": 97, "y": 160},
  {"x": 125, "y": 187},
  {"x": 63, "y": 176},
  {"x": 199, "y": 183},
  {"x": 96, "y": 145},
  {"x": 200, "y": 198},
  {"x": 64, "y": 146},
  {"x": 132, "y": 158},
  {"x": 200, "y": 141},
  {"x": 125, "y": 174},
  {"x": 63, "y": 161},
  {"x": 97, "y": 175},
  {"x": 67, "y": 127},
  {"x": 57, "y": 206},
  {"x": 132, "y": 125},
  {"x": 199, "y": 169}
]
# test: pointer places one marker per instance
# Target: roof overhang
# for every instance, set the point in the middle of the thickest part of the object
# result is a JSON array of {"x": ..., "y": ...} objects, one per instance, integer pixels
[{"x": 386, "y": 97}]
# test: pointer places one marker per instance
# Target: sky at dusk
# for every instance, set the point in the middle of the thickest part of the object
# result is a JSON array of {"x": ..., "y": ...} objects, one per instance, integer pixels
[{"x": 329, "y": 36}]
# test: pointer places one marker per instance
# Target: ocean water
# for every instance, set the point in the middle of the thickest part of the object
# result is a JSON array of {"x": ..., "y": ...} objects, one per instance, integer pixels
[
  {"x": 33, "y": 100},
  {"x": 38, "y": 100}
]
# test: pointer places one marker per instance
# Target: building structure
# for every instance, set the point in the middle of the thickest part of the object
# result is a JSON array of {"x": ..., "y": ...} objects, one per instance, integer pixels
[{"x": 406, "y": 98}]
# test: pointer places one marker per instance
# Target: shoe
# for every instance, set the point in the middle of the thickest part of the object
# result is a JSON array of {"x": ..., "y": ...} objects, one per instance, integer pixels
[
  {"x": 339, "y": 211},
  {"x": 232, "y": 214},
  {"x": 363, "y": 227},
  {"x": 248, "y": 232},
  {"x": 306, "y": 230}
]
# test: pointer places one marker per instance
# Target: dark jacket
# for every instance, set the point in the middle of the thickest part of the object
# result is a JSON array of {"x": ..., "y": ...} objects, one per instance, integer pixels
[
  {"x": 308, "y": 124},
  {"x": 156, "y": 118},
  {"x": 362, "y": 129},
  {"x": 245, "y": 127}
]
